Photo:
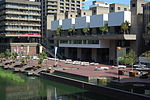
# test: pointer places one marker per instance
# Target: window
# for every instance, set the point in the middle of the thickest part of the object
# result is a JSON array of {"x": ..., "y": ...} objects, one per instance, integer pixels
[
  {"x": 118, "y": 8},
  {"x": 142, "y": 5},
  {"x": 84, "y": 13},
  {"x": 125, "y": 9},
  {"x": 133, "y": 5},
  {"x": 112, "y": 8},
  {"x": 70, "y": 15}
]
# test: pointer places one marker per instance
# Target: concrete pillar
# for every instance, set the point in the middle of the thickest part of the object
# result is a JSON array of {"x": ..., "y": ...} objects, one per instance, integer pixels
[
  {"x": 94, "y": 54},
  {"x": 40, "y": 49},
  {"x": 93, "y": 31},
  {"x": 79, "y": 53},
  {"x": 112, "y": 51},
  {"x": 66, "y": 52}
]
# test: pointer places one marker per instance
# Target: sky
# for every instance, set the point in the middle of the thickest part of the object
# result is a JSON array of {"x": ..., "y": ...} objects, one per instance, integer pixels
[{"x": 89, "y": 2}]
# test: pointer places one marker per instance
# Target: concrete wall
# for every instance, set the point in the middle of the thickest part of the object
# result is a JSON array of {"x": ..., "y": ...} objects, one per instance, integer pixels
[
  {"x": 107, "y": 91},
  {"x": 98, "y": 20},
  {"x": 117, "y": 18},
  {"x": 55, "y": 24},
  {"x": 82, "y": 22},
  {"x": 68, "y": 23}
]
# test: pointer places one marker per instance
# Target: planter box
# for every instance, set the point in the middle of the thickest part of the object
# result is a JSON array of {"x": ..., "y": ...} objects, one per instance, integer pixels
[{"x": 133, "y": 74}]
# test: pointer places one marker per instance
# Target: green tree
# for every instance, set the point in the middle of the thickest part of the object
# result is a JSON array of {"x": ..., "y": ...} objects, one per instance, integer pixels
[
  {"x": 58, "y": 30},
  {"x": 42, "y": 56},
  {"x": 71, "y": 30},
  {"x": 130, "y": 58},
  {"x": 125, "y": 27},
  {"x": 86, "y": 31},
  {"x": 14, "y": 55},
  {"x": 2, "y": 55},
  {"x": 7, "y": 53},
  {"x": 104, "y": 29},
  {"x": 148, "y": 28}
]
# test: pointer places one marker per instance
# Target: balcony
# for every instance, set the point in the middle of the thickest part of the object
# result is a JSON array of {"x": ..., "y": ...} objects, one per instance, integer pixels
[
  {"x": 23, "y": 19},
  {"x": 98, "y": 20},
  {"x": 21, "y": 29},
  {"x": 82, "y": 22},
  {"x": 23, "y": 8},
  {"x": 56, "y": 24},
  {"x": 22, "y": 13},
  {"x": 22, "y": 24},
  {"x": 19, "y": 35},
  {"x": 68, "y": 23},
  {"x": 117, "y": 18},
  {"x": 98, "y": 37}
]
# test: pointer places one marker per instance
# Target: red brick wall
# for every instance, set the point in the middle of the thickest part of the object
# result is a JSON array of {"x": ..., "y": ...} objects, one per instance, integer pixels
[{"x": 32, "y": 50}]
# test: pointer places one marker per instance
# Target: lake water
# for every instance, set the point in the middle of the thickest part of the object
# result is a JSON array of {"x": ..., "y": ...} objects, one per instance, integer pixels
[{"x": 35, "y": 88}]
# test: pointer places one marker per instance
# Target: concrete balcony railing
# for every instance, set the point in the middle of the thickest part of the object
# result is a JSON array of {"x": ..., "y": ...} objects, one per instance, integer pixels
[
  {"x": 24, "y": 8},
  {"x": 22, "y": 24},
  {"x": 98, "y": 37},
  {"x": 22, "y": 13},
  {"x": 16, "y": 29},
  {"x": 17, "y": 18}
]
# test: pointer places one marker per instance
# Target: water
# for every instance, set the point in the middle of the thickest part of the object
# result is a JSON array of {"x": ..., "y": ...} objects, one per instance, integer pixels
[{"x": 35, "y": 88}]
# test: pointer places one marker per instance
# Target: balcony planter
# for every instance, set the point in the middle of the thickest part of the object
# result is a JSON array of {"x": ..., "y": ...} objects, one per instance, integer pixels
[{"x": 133, "y": 73}]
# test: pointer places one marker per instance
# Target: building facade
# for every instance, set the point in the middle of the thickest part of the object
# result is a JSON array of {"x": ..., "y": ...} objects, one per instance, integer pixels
[
  {"x": 20, "y": 26},
  {"x": 137, "y": 23},
  {"x": 56, "y": 10},
  {"x": 146, "y": 32},
  {"x": 94, "y": 45}
]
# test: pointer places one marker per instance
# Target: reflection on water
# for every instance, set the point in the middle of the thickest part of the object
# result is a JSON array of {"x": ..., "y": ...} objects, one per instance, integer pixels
[{"x": 36, "y": 88}]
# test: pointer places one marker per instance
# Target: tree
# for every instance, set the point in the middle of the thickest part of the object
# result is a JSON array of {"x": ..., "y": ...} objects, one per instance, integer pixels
[
  {"x": 71, "y": 30},
  {"x": 7, "y": 53},
  {"x": 148, "y": 28},
  {"x": 125, "y": 27},
  {"x": 2, "y": 55},
  {"x": 58, "y": 30},
  {"x": 129, "y": 59},
  {"x": 14, "y": 55},
  {"x": 86, "y": 30},
  {"x": 104, "y": 29},
  {"x": 42, "y": 56}
]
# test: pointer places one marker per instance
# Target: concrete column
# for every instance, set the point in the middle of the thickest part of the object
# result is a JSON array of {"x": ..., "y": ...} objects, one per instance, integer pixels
[
  {"x": 112, "y": 50},
  {"x": 66, "y": 52},
  {"x": 94, "y": 54},
  {"x": 93, "y": 31},
  {"x": 79, "y": 53}
]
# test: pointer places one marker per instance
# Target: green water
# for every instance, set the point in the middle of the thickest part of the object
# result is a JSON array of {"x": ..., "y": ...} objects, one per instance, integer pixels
[{"x": 35, "y": 88}]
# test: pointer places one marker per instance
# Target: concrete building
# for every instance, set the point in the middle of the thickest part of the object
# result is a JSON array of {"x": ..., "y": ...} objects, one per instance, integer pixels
[
  {"x": 137, "y": 22},
  {"x": 114, "y": 7},
  {"x": 99, "y": 7},
  {"x": 83, "y": 12},
  {"x": 95, "y": 45},
  {"x": 20, "y": 26},
  {"x": 146, "y": 20},
  {"x": 56, "y": 10}
]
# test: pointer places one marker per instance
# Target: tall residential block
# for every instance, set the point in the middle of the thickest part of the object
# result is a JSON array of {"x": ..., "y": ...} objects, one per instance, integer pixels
[
  {"x": 137, "y": 22},
  {"x": 20, "y": 26},
  {"x": 56, "y": 10}
]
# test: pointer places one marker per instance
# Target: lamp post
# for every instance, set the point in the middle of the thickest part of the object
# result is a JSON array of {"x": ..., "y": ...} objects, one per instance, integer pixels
[{"x": 118, "y": 49}]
